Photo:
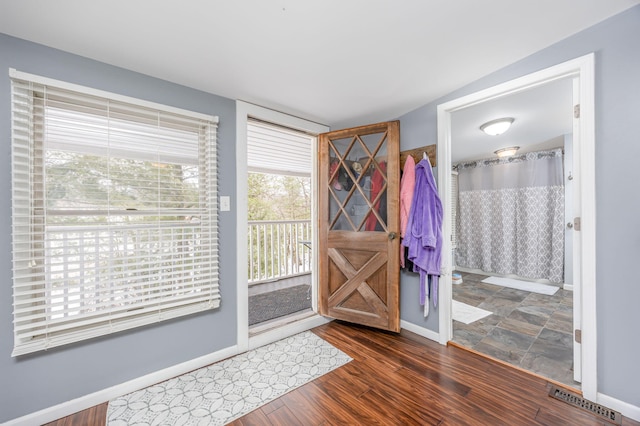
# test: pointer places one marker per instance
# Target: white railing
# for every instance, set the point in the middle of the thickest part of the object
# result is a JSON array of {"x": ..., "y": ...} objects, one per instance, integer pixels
[
  {"x": 93, "y": 268},
  {"x": 278, "y": 249}
]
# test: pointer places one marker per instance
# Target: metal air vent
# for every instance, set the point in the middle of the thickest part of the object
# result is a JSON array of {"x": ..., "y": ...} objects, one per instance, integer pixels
[{"x": 578, "y": 401}]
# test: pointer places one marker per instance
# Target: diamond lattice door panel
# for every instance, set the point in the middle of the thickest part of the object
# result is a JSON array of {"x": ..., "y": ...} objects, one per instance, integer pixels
[{"x": 358, "y": 245}]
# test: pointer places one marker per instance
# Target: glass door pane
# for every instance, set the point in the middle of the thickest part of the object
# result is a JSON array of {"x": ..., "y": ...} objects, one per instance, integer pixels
[{"x": 357, "y": 183}]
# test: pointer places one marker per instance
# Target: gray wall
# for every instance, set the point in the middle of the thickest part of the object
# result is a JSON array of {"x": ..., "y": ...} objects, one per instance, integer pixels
[
  {"x": 616, "y": 43},
  {"x": 37, "y": 381}
]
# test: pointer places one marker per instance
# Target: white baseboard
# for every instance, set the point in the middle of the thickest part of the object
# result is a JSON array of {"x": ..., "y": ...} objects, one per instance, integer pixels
[
  {"x": 627, "y": 410},
  {"x": 421, "y": 331},
  {"x": 69, "y": 407},
  {"x": 568, "y": 287}
]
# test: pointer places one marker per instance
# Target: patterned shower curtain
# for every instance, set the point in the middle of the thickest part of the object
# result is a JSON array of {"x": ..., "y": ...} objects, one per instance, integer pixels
[{"x": 511, "y": 215}]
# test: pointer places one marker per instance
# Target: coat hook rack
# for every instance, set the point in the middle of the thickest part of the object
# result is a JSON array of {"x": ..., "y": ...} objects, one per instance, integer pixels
[{"x": 420, "y": 153}]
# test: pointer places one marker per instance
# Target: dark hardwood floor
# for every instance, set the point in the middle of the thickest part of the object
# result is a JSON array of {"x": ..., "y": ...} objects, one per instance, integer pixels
[{"x": 406, "y": 380}]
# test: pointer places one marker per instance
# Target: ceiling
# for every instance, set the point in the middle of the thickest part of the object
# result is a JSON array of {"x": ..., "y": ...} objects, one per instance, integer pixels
[
  {"x": 332, "y": 61},
  {"x": 542, "y": 116}
]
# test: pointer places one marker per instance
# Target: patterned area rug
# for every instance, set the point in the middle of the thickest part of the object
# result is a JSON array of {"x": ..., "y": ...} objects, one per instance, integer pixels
[{"x": 227, "y": 390}]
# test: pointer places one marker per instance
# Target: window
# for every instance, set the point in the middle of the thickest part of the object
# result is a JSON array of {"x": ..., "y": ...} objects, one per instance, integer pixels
[{"x": 114, "y": 213}]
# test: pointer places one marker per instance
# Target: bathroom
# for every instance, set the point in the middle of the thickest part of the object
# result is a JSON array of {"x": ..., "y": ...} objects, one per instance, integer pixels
[{"x": 512, "y": 224}]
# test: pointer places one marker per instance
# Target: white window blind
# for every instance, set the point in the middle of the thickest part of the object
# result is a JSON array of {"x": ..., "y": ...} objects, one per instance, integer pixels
[
  {"x": 278, "y": 150},
  {"x": 114, "y": 213}
]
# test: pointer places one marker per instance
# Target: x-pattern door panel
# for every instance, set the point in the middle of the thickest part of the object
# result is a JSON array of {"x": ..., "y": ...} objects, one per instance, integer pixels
[{"x": 359, "y": 264}]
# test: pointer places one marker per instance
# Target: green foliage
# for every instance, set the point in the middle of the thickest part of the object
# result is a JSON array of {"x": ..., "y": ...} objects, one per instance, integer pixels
[
  {"x": 278, "y": 197},
  {"x": 89, "y": 182}
]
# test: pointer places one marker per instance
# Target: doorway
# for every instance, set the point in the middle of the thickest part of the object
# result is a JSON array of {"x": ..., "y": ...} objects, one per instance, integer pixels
[
  {"x": 276, "y": 258},
  {"x": 583, "y": 258},
  {"x": 510, "y": 246},
  {"x": 279, "y": 165}
]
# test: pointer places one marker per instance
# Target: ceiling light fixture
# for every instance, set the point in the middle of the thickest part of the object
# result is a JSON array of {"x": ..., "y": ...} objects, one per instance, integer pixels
[
  {"x": 507, "y": 152},
  {"x": 497, "y": 127}
]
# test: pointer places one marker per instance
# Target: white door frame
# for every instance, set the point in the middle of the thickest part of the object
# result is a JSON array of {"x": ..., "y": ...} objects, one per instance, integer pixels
[
  {"x": 245, "y": 110},
  {"x": 582, "y": 69}
]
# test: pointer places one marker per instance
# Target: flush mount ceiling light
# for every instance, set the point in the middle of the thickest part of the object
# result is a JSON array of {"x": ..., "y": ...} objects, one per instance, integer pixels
[
  {"x": 506, "y": 152},
  {"x": 497, "y": 127}
]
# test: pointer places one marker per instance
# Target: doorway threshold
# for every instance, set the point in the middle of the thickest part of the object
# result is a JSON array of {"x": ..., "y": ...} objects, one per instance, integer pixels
[
  {"x": 549, "y": 380},
  {"x": 283, "y": 328},
  {"x": 275, "y": 323}
]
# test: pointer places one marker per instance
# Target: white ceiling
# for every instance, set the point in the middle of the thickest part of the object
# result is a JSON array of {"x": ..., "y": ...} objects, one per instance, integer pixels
[
  {"x": 542, "y": 116},
  {"x": 333, "y": 61}
]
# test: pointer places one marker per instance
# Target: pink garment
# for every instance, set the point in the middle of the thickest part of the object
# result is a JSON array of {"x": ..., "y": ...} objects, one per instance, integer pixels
[{"x": 407, "y": 186}]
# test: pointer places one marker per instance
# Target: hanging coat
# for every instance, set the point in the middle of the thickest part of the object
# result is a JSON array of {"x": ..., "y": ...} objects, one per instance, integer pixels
[
  {"x": 407, "y": 186},
  {"x": 424, "y": 233}
]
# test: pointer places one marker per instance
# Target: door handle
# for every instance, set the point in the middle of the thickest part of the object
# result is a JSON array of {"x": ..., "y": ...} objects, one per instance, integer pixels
[{"x": 392, "y": 236}]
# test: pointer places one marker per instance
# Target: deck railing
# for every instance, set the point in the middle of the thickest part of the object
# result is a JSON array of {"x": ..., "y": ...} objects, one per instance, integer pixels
[
  {"x": 278, "y": 249},
  {"x": 138, "y": 261}
]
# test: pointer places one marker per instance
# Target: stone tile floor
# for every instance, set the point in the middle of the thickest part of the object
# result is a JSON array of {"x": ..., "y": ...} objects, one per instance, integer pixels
[{"x": 529, "y": 330}]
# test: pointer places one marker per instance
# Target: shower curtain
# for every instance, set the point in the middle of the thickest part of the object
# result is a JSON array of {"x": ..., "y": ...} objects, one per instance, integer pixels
[{"x": 511, "y": 215}]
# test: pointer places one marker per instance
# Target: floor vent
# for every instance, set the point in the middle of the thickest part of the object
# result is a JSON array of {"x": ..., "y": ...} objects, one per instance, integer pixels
[{"x": 578, "y": 401}]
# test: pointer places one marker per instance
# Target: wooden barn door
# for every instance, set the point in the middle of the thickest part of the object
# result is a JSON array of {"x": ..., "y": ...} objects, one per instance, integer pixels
[{"x": 359, "y": 243}]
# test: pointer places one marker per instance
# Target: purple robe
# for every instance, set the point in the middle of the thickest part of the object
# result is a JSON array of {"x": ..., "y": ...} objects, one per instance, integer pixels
[{"x": 424, "y": 232}]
